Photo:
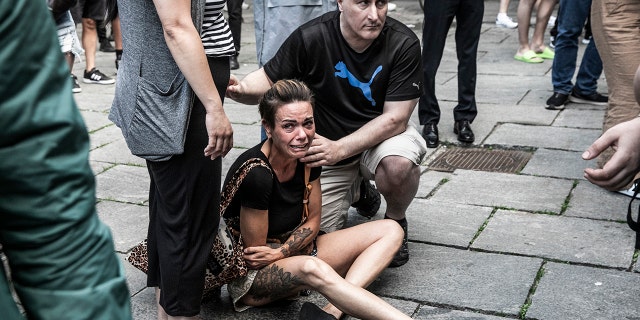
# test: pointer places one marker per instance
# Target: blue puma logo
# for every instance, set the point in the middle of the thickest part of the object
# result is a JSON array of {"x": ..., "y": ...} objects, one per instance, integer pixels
[{"x": 342, "y": 72}]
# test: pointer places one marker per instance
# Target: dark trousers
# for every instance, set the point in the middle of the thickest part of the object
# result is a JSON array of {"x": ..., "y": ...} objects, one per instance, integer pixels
[
  {"x": 438, "y": 16},
  {"x": 234, "y": 8},
  {"x": 184, "y": 199}
]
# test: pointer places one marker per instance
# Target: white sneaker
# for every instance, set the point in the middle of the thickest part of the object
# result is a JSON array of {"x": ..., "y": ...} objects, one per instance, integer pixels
[
  {"x": 502, "y": 20},
  {"x": 391, "y": 6}
]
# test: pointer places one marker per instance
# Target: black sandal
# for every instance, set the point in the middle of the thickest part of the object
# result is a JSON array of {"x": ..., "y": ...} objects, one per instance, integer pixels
[{"x": 310, "y": 311}]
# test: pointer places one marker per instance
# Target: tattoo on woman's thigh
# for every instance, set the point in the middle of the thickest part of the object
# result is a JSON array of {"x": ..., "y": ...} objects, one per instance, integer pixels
[{"x": 274, "y": 283}]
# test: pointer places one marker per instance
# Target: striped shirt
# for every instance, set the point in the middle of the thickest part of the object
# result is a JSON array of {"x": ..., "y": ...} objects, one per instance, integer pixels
[{"x": 216, "y": 35}]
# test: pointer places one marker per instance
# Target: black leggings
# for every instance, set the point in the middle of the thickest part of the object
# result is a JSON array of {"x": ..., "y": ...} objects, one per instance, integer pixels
[{"x": 184, "y": 199}]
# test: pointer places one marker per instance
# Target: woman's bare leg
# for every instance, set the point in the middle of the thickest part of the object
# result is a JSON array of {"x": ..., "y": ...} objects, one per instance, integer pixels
[
  {"x": 360, "y": 253},
  {"x": 525, "y": 7},
  {"x": 542, "y": 18}
]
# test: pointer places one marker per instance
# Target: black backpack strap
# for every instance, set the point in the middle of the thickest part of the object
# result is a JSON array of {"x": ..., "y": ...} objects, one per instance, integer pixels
[{"x": 634, "y": 225}]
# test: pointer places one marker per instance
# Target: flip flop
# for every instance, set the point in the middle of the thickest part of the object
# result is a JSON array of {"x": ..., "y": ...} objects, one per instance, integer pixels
[
  {"x": 528, "y": 56},
  {"x": 546, "y": 54}
]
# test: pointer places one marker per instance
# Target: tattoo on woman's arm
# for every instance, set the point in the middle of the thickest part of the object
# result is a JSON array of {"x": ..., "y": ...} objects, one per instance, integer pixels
[{"x": 296, "y": 241}]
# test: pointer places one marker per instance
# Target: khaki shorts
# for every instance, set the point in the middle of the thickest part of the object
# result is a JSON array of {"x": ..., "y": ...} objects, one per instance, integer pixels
[{"x": 340, "y": 183}]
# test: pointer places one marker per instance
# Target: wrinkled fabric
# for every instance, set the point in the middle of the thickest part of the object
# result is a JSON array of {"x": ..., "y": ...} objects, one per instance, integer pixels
[{"x": 61, "y": 256}]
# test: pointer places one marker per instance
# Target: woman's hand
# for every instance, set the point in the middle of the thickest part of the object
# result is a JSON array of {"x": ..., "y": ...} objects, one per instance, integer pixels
[
  {"x": 220, "y": 134},
  {"x": 261, "y": 256}
]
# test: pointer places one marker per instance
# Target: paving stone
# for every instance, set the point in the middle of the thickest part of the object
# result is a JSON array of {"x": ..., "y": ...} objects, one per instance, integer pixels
[
  {"x": 95, "y": 120},
  {"x": 576, "y": 118},
  {"x": 576, "y": 292},
  {"x": 241, "y": 113},
  {"x": 504, "y": 190},
  {"x": 445, "y": 223},
  {"x": 543, "y": 137},
  {"x": 128, "y": 223},
  {"x": 430, "y": 180},
  {"x": 246, "y": 136},
  {"x": 557, "y": 163},
  {"x": 123, "y": 183},
  {"x": 590, "y": 201},
  {"x": 557, "y": 237},
  {"x": 136, "y": 279},
  {"x": 98, "y": 166},
  {"x": 427, "y": 312},
  {"x": 103, "y": 136},
  {"x": 94, "y": 97},
  {"x": 467, "y": 279},
  {"x": 509, "y": 111},
  {"x": 116, "y": 152}
]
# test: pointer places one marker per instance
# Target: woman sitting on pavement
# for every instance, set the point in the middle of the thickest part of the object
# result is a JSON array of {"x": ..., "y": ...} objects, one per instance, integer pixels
[{"x": 282, "y": 249}]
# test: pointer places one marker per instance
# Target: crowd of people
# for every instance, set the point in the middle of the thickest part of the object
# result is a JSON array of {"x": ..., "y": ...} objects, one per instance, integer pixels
[{"x": 343, "y": 122}]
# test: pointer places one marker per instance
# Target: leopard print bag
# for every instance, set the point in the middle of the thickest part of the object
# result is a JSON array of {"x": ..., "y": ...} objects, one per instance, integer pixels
[{"x": 225, "y": 262}]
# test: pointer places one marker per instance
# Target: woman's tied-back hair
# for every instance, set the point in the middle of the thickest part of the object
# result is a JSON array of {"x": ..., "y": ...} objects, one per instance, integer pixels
[{"x": 281, "y": 93}]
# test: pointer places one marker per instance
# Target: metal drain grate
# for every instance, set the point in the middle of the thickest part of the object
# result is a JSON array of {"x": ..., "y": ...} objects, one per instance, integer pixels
[{"x": 508, "y": 161}]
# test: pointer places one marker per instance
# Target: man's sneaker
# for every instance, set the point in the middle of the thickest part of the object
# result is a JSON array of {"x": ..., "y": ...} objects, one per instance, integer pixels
[
  {"x": 369, "y": 202},
  {"x": 402, "y": 256},
  {"x": 557, "y": 101},
  {"x": 95, "y": 76},
  {"x": 586, "y": 40},
  {"x": 595, "y": 99},
  {"x": 76, "y": 86},
  {"x": 552, "y": 42},
  {"x": 502, "y": 20}
]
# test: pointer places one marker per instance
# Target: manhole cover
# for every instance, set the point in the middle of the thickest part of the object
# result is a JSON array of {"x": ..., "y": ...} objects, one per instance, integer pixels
[{"x": 508, "y": 161}]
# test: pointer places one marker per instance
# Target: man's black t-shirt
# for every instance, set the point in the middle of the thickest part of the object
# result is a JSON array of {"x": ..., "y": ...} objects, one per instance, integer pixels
[
  {"x": 261, "y": 190},
  {"x": 350, "y": 88}
]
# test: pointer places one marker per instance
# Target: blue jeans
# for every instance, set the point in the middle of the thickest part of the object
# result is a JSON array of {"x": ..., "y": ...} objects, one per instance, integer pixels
[{"x": 572, "y": 15}]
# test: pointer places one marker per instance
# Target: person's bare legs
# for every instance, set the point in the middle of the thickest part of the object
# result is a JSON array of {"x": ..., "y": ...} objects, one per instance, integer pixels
[
  {"x": 117, "y": 33},
  {"x": 397, "y": 179},
  {"x": 504, "y": 6},
  {"x": 162, "y": 315},
  {"x": 372, "y": 246},
  {"x": 89, "y": 42},
  {"x": 542, "y": 18},
  {"x": 360, "y": 252},
  {"x": 70, "y": 58},
  {"x": 525, "y": 7}
]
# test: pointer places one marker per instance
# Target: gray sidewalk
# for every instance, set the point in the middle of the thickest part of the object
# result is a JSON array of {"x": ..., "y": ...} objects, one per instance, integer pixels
[{"x": 541, "y": 243}]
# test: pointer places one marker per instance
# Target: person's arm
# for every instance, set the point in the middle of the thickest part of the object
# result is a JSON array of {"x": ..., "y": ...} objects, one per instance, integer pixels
[
  {"x": 187, "y": 50},
  {"x": 304, "y": 235},
  {"x": 250, "y": 89},
  {"x": 393, "y": 121},
  {"x": 257, "y": 253},
  {"x": 625, "y": 162}
]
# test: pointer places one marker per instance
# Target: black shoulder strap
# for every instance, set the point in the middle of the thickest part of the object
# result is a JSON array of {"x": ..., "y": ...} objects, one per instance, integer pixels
[{"x": 634, "y": 225}]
